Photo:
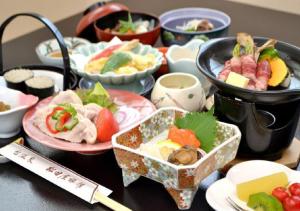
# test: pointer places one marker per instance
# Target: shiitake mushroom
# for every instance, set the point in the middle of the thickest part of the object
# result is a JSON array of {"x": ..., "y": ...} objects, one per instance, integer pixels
[{"x": 186, "y": 155}]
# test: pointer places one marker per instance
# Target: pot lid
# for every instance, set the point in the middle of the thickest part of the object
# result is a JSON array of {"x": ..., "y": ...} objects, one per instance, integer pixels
[{"x": 85, "y": 27}]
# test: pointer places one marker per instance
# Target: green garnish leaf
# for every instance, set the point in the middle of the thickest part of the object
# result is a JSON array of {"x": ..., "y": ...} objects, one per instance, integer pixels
[
  {"x": 236, "y": 50},
  {"x": 126, "y": 26},
  {"x": 68, "y": 108},
  {"x": 117, "y": 60},
  {"x": 99, "y": 90},
  {"x": 201, "y": 37},
  {"x": 168, "y": 36},
  {"x": 203, "y": 124},
  {"x": 97, "y": 95},
  {"x": 268, "y": 53},
  {"x": 249, "y": 49}
]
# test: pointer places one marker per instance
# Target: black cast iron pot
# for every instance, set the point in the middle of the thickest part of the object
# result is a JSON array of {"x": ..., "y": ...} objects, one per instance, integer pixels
[{"x": 267, "y": 119}]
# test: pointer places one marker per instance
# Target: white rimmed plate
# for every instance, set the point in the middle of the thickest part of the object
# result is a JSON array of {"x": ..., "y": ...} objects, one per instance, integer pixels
[{"x": 217, "y": 193}]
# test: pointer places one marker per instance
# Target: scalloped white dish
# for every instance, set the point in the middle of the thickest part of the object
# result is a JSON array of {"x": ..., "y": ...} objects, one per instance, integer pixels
[
  {"x": 242, "y": 172},
  {"x": 83, "y": 54}
]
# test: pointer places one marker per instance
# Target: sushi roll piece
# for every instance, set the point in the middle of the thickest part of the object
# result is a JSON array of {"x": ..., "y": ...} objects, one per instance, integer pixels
[
  {"x": 40, "y": 86},
  {"x": 15, "y": 78}
]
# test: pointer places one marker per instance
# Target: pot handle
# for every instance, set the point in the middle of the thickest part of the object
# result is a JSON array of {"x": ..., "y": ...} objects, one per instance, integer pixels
[{"x": 55, "y": 32}]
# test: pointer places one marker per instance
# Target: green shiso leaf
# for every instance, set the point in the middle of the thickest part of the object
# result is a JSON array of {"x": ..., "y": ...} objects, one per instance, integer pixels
[{"x": 203, "y": 124}]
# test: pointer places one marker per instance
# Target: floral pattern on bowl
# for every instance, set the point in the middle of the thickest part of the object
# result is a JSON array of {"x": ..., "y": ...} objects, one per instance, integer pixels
[
  {"x": 85, "y": 53},
  {"x": 180, "y": 181},
  {"x": 46, "y": 48}
]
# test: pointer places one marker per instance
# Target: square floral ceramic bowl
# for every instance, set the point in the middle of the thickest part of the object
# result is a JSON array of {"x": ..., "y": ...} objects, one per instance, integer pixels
[{"x": 181, "y": 181}]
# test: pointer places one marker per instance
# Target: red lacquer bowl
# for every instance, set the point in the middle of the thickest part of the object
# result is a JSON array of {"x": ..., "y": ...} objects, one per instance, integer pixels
[
  {"x": 111, "y": 20},
  {"x": 164, "y": 66}
]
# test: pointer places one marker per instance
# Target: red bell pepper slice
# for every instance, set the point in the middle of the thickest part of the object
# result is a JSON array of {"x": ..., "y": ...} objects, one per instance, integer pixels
[{"x": 48, "y": 118}]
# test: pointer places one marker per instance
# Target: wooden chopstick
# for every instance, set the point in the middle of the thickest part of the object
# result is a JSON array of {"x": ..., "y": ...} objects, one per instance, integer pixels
[{"x": 112, "y": 204}]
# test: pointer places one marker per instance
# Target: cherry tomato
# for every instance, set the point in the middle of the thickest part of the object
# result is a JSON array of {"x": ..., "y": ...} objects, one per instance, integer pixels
[
  {"x": 295, "y": 189},
  {"x": 280, "y": 193},
  {"x": 291, "y": 203},
  {"x": 106, "y": 125}
]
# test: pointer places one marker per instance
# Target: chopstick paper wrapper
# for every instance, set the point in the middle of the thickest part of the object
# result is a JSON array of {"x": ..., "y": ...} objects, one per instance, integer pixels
[{"x": 60, "y": 176}]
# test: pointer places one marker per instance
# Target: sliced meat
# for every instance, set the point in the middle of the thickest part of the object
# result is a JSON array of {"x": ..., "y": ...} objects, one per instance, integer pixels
[
  {"x": 85, "y": 130},
  {"x": 263, "y": 74},
  {"x": 251, "y": 85},
  {"x": 236, "y": 65},
  {"x": 248, "y": 67},
  {"x": 223, "y": 75},
  {"x": 68, "y": 96},
  {"x": 91, "y": 111}
]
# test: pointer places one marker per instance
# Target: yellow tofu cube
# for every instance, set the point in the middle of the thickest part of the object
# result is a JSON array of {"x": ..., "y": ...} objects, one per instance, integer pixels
[{"x": 238, "y": 80}]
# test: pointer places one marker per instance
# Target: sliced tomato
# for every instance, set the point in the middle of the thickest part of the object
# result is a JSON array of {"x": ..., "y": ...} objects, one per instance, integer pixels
[
  {"x": 295, "y": 189},
  {"x": 280, "y": 193},
  {"x": 106, "y": 125},
  {"x": 291, "y": 203}
]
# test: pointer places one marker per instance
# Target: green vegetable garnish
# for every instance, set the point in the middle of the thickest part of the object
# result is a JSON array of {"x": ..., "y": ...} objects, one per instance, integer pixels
[
  {"x": 99, "y": 90},
  {"x": 117, "y": 60},
  {"x": 236, "y": 50},
  {"x": 68, "y": 108},
  {"x": 268, "y": 53},
  {"x": 201, "y": 37},
  {"x": 168, "y": 36},
  {"x": 203, "y": 124},
  {"x": 97, "y": 95},
  {"x": 126, "y": 26}
]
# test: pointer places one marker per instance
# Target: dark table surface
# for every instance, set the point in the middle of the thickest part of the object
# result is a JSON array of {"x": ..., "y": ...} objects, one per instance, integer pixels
[{"x": 22, "y": 190}]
